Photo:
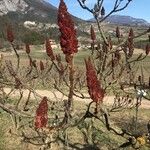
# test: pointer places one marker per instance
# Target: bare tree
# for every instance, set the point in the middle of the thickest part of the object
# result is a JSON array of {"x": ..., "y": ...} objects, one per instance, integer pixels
[{"x": 45, "y": 123}]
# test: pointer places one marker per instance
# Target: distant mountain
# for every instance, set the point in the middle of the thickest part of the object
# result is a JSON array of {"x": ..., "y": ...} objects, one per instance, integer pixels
[
  {"x": 125, "y": 20},
  {"x": 30, "y": 19},
  {"x": 31, "y": 10},
  {"x": 12, "y": 5}
]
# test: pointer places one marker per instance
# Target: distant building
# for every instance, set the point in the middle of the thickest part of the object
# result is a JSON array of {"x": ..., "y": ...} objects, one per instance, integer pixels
[
  {"x": 29, "y": 24},
  {"x": 53, "y": 43}
]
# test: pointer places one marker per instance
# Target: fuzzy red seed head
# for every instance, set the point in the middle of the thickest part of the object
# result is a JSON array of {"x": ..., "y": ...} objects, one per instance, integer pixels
[
  {"x": 68, "y": 40},
  {"x": 130, "y": 43},
  {"x": 93, "y": 36},
  {"x": 131, "y": 33},
  {"x": 118, "y": 32},
  {"x": 41, "y": 118},
  {"x": 130, "y": 47},
  {"x": 27, "y": 48},
  {"x": 30, "y": 62},
  {"x": 147, "y": 49},
  {"x": 139, "y": 78},
  {"x": 58, "y": 58},
  {"x": 49, "y": 50},
  {"x": 94, "y": 88},
  {"x": 41, "y": 66},
  {"x": 10, "y": 35}
]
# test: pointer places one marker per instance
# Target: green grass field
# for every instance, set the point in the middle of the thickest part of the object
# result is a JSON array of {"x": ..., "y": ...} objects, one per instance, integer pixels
[{"x": 103, "y": 138}]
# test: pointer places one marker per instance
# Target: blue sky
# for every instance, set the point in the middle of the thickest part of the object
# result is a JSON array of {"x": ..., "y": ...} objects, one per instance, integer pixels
[{"x": 137, "y": 8}]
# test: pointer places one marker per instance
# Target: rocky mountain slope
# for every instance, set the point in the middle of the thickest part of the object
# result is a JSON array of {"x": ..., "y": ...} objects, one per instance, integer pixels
[
  {"x": 30, "y": 19},
  {"x": 12, "y": 5},
  {"x": 31, "y": 10},
  {"x": 125, "y": 20}
]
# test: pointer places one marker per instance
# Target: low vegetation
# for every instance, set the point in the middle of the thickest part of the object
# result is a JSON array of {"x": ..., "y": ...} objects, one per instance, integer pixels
[{"x": 54, "y": 96}]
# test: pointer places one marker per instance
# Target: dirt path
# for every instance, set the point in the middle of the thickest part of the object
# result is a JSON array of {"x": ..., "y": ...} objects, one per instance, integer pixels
[
  {"x": 57, "y": 96},
  {"x": 136, "y": 51}
]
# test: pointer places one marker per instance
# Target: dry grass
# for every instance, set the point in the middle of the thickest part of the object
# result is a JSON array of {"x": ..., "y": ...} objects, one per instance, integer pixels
[
  {"x": 76, "y": 139},
  {"x": 103, "y": 138}
]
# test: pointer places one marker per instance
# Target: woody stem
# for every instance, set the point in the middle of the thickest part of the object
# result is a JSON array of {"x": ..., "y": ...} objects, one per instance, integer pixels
[
  {"x": 71, "y": 81},
  {"x": 17, "y": 55}
]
